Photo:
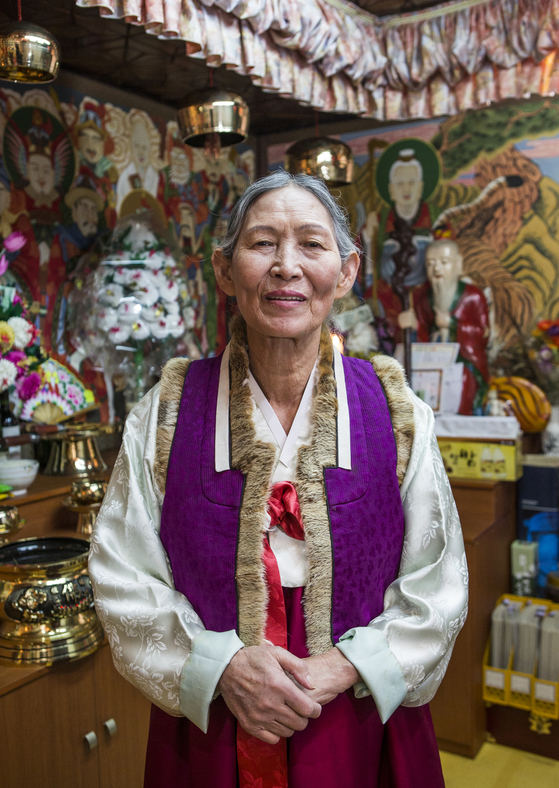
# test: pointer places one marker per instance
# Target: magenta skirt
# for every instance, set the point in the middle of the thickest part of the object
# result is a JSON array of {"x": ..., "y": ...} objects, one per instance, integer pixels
[{"x": 346, "y": 747}]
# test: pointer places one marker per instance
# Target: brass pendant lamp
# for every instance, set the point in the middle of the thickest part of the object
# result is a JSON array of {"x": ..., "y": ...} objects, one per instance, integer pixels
[
  {"x": 28, "y": 53},
  {"x": 326, "y": 158},
  {"x": 213, "y": 119}
]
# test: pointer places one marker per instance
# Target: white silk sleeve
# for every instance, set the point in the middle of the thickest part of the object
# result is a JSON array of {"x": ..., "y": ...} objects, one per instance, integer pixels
[
  {"x": 158, "y": 641},
  {"x": 403, "y": 654}
]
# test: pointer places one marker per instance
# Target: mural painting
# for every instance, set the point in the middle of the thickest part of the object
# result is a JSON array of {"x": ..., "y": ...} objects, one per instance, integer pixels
[
  {"x": 488, "y": 182},
  {"x": 71, "y": 167}
]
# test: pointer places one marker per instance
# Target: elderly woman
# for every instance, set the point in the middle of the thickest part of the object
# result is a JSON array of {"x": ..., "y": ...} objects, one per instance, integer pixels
[{"x": 278, "y": 562}]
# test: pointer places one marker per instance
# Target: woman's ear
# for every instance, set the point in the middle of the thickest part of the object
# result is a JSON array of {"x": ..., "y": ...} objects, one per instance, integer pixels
[
  {"x": 222, "y": 270},
  {"x": 348, "y": 275}
]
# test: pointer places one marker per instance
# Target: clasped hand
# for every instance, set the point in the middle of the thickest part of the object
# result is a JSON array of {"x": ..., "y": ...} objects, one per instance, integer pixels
[{"x": 272, "y": 693}]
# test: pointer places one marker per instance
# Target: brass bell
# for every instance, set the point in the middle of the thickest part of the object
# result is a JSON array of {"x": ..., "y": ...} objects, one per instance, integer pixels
[
  {"x": 326, "y": 158},
  {"x": 213, "y": 119},
  {"x": 28, "y": 53}
]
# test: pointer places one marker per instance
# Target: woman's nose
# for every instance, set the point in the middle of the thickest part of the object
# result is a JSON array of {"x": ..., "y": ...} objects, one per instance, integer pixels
[{"x": 286, "y": 263}]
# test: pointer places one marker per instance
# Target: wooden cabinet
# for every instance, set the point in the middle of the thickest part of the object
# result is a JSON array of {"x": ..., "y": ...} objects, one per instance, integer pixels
[
  {"x": 488, "y": 514},
  {"x": 45, "y": 714}
]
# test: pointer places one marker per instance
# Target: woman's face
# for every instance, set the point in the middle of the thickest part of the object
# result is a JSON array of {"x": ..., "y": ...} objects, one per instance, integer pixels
[{"x": 286, "y": 269}]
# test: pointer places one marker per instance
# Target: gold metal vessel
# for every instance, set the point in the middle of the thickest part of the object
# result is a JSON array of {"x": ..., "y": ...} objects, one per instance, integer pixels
[
  {"x": 46, "y": 601},
  {"x": 74, "y": 452},
  {"x": 28, "y": 53},
  {"x": 10, "y": 522},
  {"x": 326, "y": 158},
  {"x": 213, "y": 111},
  {"x": 85, "y": 500}
]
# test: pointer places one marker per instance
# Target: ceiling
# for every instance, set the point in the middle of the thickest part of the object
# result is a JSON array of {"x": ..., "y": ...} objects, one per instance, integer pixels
[{"x": 126, "y": 57}]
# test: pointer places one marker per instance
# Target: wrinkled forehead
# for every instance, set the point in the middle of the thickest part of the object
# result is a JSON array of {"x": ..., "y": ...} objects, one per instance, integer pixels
[{"x": 288, "y": 204}]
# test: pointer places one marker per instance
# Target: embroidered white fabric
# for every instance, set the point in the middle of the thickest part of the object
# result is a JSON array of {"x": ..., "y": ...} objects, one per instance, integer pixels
[{"x": 151, "y": 626}]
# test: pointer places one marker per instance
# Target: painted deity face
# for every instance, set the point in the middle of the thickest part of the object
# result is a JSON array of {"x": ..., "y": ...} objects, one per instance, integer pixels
[
  {"x": 443, "y": 262},
  {"x": 140, "y": 145},
  {"x": 180, "y": 167},
  {"x": 213, "y": 170},
  {"x": 4, "y": 198},
  {"x": 286, "y": 269},
  {"x": 91, "y": 145},
  {"x": 188, "y": 223},
  {"x": 84, "y": 213},
  {"x": 405, "y": 188},
  {"x": 40, "y": 173}
]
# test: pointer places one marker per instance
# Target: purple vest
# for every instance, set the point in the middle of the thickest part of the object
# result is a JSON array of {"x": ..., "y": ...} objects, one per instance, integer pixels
[{"x": 199, "y": 521}]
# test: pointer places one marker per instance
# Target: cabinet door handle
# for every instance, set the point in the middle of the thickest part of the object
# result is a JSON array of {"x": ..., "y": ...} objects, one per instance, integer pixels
[
  {"x": 91, "y": 740},
  {"x": 110, "y": 727}
]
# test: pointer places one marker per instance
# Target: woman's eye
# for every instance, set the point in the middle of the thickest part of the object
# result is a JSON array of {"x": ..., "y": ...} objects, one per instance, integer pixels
[
  {"x": 314, "y": 244},
  {"x": 263, "y": 243}
]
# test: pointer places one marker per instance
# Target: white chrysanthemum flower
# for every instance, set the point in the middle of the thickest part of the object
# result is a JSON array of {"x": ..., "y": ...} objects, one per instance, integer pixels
[
  {"x": 107, "y": 318},
  {"x": 189, "y": 315},
  {"x": 152, "y": 314},
  {"x": 176, "y": 326},
  {"x": 171, "y": 308},
  {"x": 111, "y": 294},
  {"x": 160, "y": 328},
  {"x": 123, "y": 274},
  {"x": 147, "y": 293},
  {"x": 139, "y": 330},
  {"x": 129, "y": 310},
  {"x": 169, "y": 291},
  {"x": 8, "y": 372},
  {"x": 23, "y": 331},
  {"x": 119, "y": 333},
  {"x": 156, "y": 261}
]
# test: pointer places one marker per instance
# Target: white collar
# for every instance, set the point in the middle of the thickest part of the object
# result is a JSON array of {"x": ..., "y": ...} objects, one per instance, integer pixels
[{"x": 285, "y": 442}]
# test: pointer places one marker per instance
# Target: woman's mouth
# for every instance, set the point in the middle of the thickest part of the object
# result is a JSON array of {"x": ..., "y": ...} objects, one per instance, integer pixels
[{"x": 280, "y": 295}]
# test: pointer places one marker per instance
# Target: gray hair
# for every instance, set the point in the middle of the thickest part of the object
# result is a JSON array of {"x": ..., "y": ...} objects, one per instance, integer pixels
[{"x": 278, "y": 180}]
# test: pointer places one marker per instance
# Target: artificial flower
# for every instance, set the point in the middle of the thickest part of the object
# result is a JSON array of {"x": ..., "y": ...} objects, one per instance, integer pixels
[
  {"x": 107, "y": 318},
  {"x": 155, "y": 260},
  {"x": 119, "y": 334},
  {"x": 4, "y": 262},
  {"x": 7, "y": 336},
  {"x": 15, "y": 241},
  {"x": 29, "y": 386},
  {"x": 160, "y": 328},
  {"x": 129, "y": 310},
  {"x": 139, "y": 330},
  {"x": 111, "y": 294},
  {"x": 8, "y": 373},
  {"x": 25, "y": 333}
]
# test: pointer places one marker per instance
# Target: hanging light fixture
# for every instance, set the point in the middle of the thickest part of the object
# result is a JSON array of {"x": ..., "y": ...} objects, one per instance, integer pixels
[
  {"x": 324, "y": 157},
  {"x": 213, "y": 119},
  {"x": 28, "y": 53}
]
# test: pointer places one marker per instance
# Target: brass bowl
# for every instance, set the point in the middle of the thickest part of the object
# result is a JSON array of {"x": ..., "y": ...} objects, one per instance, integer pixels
[
  {"x": 28, "y": 53},
  {"x": 86, "y": 491},
  {"x": 46, "y": 602},
  {"x": 10, "y": 522}
]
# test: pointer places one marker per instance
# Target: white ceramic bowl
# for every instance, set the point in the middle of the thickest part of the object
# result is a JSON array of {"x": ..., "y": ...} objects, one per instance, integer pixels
[{"x": 19, "y": 474}]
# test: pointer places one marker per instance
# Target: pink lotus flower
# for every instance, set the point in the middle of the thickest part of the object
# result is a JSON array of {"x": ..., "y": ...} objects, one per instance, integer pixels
[{"x": 15, "y": 241}]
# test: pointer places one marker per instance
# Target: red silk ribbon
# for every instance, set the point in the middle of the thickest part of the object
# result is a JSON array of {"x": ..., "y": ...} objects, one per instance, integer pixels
[{"x": 264, "y": 765}]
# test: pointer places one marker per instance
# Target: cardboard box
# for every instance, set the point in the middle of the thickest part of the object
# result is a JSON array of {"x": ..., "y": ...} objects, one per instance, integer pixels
[{"x": 479, "y": 459}]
